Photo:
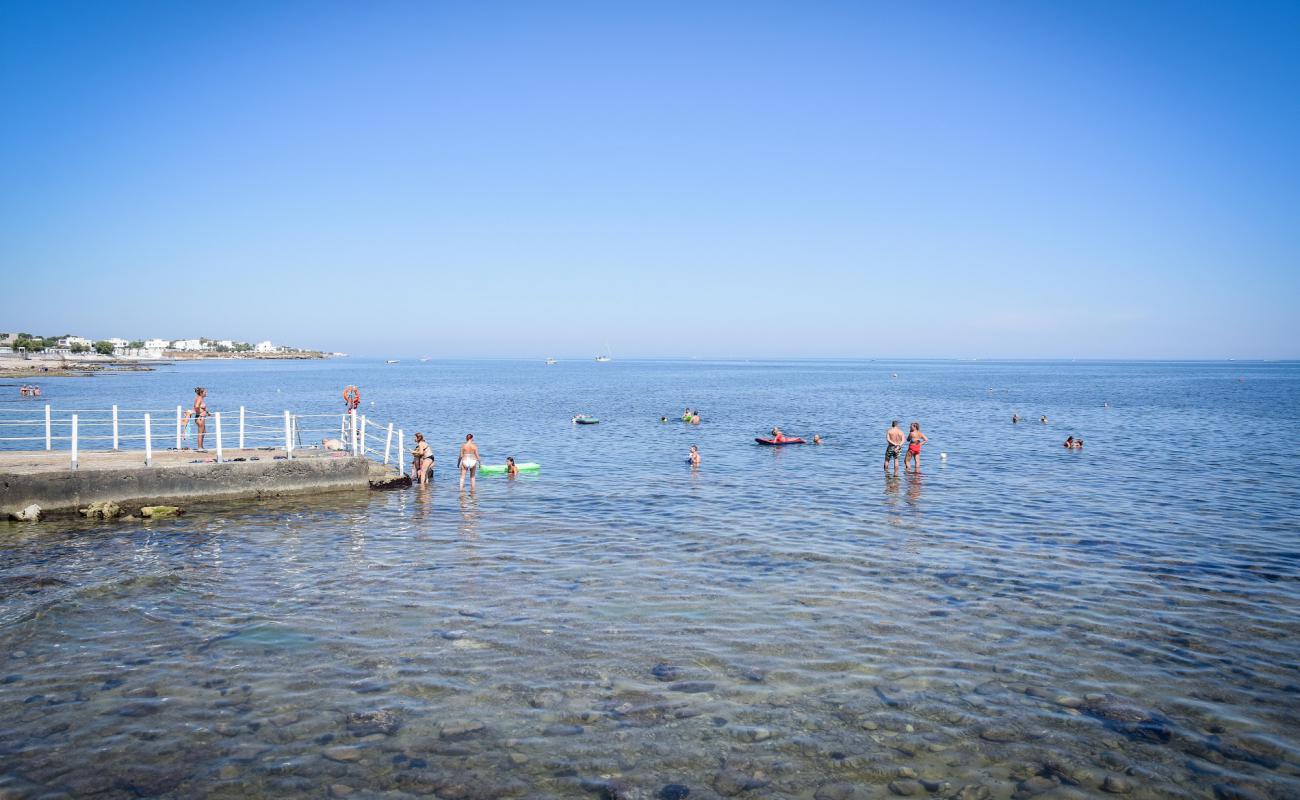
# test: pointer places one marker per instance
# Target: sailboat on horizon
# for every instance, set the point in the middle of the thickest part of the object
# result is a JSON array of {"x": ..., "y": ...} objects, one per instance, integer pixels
[{"x": 605, "y": 357}]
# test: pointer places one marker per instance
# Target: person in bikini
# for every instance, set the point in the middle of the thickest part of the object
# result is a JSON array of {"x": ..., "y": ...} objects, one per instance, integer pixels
[
  {"x": 894, "y": 438},
  {"x": 914, "y": 441},
  {"x": 468, "y": 461},
  {"x": 200, "y": 413},
  {"x": 511, "y": 469},
  {"x": 421, "y": 459}
]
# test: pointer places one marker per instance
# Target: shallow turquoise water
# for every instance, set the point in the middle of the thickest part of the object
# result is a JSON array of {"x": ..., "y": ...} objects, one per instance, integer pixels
[{"x": 1018, "y": 619}]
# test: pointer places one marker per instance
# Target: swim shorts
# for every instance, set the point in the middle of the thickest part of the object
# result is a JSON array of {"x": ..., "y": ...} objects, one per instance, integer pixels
[{"x": 893, "y": 451}]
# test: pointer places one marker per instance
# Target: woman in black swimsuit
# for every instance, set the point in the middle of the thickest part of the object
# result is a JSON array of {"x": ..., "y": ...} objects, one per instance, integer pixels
[{"x": 200, "y": 413}]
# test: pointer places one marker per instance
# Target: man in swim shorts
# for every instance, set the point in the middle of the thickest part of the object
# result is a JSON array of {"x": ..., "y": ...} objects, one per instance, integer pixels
[{"x": 894, "y": 439}]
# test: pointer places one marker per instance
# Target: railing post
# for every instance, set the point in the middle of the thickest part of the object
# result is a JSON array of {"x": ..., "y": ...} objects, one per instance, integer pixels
[
  {"x": 363, "y": 435},
  {"x": 401, "y": 454},
  {"x": 48, "y": 438},
  {"x": 148, "y": 441},
  {"x": 115, "y": 427},
  {"x": 241, "y": 427},
  {"x": 178, "y": 427},
  {"x": 352, "y": 417},
  {"x": 288, "y": 435},
  {"x": 219, "y": 453},
  {"x": 74, "y": 441},
  {"x": 388, "y": 443}
]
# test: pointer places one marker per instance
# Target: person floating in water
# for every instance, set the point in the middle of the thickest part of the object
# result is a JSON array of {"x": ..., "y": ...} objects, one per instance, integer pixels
[
  {"x": 511, "y": 469},
  {"x": 817, "y": 438},
  {"x": 468, "y": 461},
  {"x": 686, "y": 415},
  {"x": 663, "y": 419},
  {"x": 894, "y": 438},
  {"x": 1073, "y": 443},
  {"x": 421, "y": 459},
  {"x": 694, "y": 458},
  {"x": 1014, "y": 418},
  {"x": 1043, "y": 419},
  {"x": 914, "y": 441},
  {"x": 695, "y": 417}
]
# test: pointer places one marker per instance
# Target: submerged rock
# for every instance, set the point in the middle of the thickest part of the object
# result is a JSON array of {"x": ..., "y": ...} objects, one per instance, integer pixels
[
  {"x": 667, "y": 672},
  {"x": 730, "y": 782},
  {"x": 342, "y": 753},
  {"x": 1116, "y": 785},
  {"x": 692, "y": 687},
  {"x": 840, "y": 790},
  {"x": 31, "y": 513},
  {"x": 674, "y": 791},
  {"x": 464, "y": 729},
  {"x": 906, "y": 787},
  {"x": 159, "y": 512},
  {"x": 366, "y": 723},
  {"x": 102, "y": 509}
]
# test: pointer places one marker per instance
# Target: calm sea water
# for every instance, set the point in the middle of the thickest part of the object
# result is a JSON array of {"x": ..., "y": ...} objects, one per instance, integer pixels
[{"x": 783, "y": 622}]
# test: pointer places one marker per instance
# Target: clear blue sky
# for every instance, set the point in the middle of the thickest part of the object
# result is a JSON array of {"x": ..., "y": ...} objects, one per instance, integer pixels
[{"x": 713, "y": 179}]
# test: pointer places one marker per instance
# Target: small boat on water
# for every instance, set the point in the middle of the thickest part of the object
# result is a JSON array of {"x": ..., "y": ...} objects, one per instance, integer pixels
[
  {"x": 426, "y": 358},
  {"x": 585, "y": 419},
  {"x": 391, "y": 361},
  {"x": 550, "y": 362},
  {"x": 603, "y": 359}
]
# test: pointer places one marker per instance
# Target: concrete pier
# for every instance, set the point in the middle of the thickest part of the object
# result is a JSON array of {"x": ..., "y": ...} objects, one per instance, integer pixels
[{"x": 175, "y": 477}]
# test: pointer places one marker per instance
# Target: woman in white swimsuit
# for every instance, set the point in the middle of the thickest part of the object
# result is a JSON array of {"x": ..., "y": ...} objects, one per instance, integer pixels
[{"x": 468, "y": 462}]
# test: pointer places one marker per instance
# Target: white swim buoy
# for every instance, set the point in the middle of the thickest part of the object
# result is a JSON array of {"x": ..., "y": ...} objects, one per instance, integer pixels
[{"x": 943, "y": 456}]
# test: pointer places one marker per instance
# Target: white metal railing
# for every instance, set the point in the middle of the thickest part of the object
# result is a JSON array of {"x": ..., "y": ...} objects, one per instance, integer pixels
[{"x": 123, "y": 430}]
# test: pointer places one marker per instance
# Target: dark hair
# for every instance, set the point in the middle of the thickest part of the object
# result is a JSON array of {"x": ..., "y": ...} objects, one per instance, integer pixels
[
  {"x": 916, "y": 426},
  {"x": 419, "y": 436},
  {"x": 511, "y": 459},
  {"x": 469, "y": 436},
  {"x": 200, "y": 390},
  {"x": 894, "y": 424}
]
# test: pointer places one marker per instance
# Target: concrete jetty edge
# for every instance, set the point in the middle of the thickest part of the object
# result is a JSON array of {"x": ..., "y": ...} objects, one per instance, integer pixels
[{"x": 66, "y": 490}]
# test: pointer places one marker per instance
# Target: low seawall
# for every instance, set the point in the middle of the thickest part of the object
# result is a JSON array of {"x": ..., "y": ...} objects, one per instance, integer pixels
[{"x": 62, "y": 489}]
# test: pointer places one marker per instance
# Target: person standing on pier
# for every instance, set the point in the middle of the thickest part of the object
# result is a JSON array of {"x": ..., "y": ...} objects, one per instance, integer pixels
[{"x": 200, "y": 413}]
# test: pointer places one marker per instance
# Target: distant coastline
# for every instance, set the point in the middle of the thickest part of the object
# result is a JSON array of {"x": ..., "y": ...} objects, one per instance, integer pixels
[{"x": 48, "y": 366}]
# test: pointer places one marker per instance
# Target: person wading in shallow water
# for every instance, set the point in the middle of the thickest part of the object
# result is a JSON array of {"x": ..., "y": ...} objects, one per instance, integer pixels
[
  {"x": 914, "y": 441},
  {"x": 468, "y": 461},
  {"x": 894, "y": 438}
]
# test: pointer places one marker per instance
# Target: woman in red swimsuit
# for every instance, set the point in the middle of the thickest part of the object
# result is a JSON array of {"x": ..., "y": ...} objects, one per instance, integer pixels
[{"x": 914, "y": 441}]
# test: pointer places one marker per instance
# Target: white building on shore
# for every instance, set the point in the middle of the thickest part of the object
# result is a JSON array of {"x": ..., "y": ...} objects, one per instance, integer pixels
[
  {"x": 265, "y": 347},
  {"x": 187, "y": 344}
]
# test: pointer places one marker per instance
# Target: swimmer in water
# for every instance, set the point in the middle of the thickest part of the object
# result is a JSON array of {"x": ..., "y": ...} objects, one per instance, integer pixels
[
  {"x": 1015, "y": 418},
  {"x": 694, "y": 459},
  {"x": 1043, "y": 419},
  {"x": 1069, "y": 441},
  {"x": 468, "y": 461},
  {"x": 663, "y": 419},
  {"x": 511, "y": 469},
  {"x": 817, "y": 438}
]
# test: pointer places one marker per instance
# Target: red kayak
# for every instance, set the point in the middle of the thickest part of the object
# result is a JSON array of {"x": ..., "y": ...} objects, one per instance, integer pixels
[{"x": 782, "y": 440}]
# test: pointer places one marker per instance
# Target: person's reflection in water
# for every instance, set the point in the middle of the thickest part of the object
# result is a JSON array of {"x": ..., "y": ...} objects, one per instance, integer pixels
[
  {"x": 423, "y": 501},
  {"x": 468, "y": 515},
  {"x": 891, "y": 492},
  {"x": 914, "y": 489}
]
